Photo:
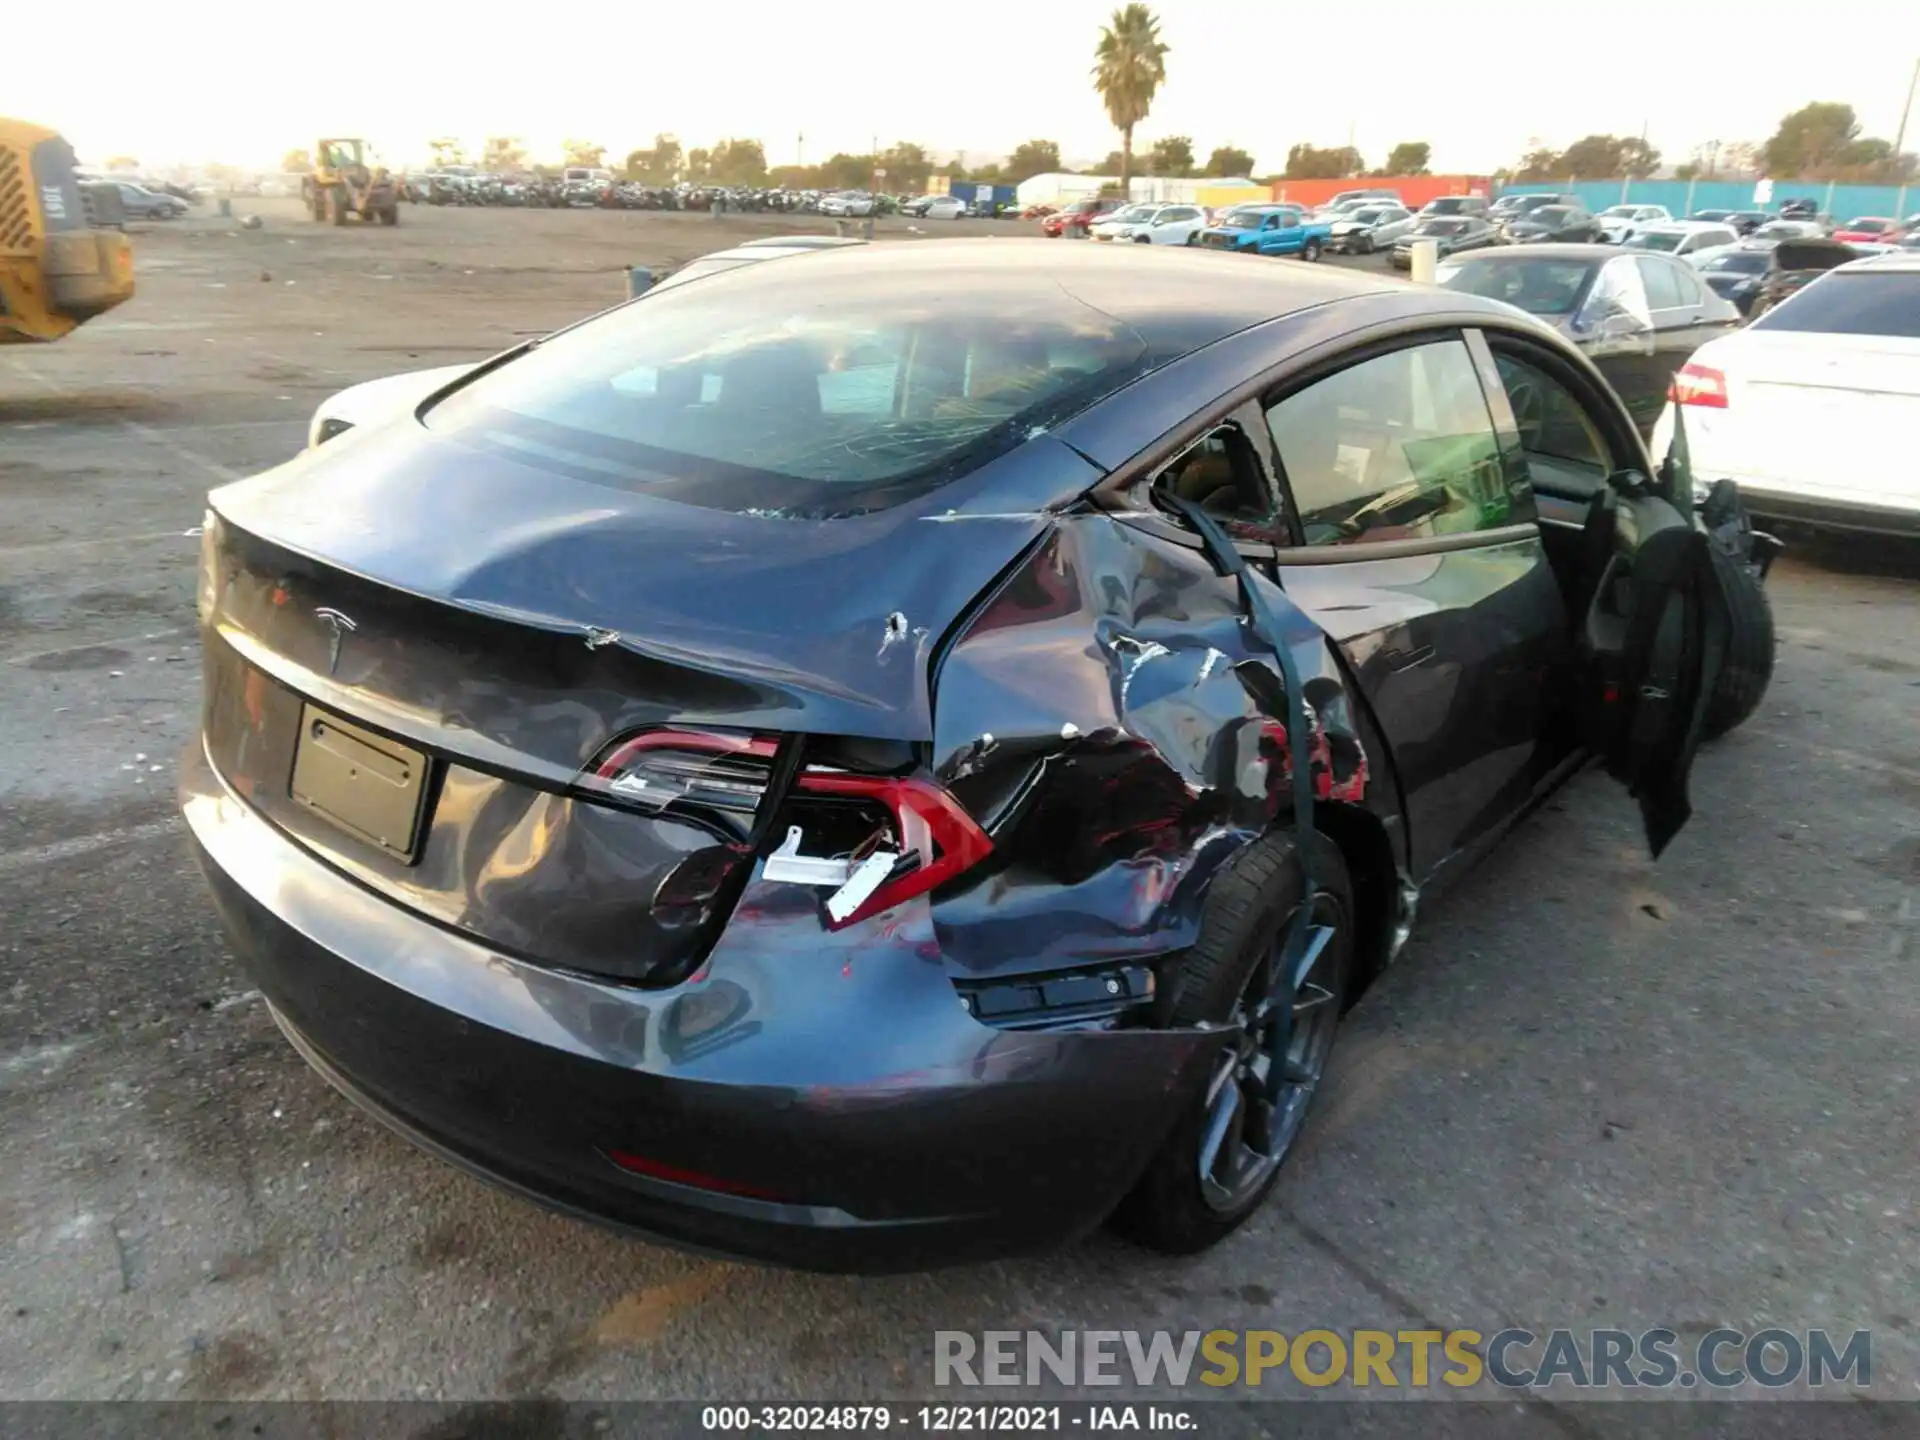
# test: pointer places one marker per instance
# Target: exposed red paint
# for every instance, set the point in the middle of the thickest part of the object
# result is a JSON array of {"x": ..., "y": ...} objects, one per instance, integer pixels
[{"x": 1414, "y": 190}]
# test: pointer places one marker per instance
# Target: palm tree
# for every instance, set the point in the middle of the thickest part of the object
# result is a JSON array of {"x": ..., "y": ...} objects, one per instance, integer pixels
[{"x": 1129, "y": 64}]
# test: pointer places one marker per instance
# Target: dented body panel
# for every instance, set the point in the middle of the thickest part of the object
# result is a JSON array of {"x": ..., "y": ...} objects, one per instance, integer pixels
[{"x": 1111, "y": 710}]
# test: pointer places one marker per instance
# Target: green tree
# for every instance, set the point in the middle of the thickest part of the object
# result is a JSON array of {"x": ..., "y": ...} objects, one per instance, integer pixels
[
  {"x": 907, "y": 166},
  {"x": 659, "y": 164},
  {"x": 699, "y": 169},
  {"x": 1229, "y": 160},
  {"x": 1811, "y": 141},
  {"x": 737, "y": 162},
  {"x": 502, "y": 154},
  {"x": 1539, "y": 163},
  {"x": 583, "y": 153},
  {"x": 1171, "y": 156},
  {"x": 1130, "y": 63},
  {"x": 1637, "y": 158},
  {"x": 1035, "y": 157},
  {"x": 1409, "y": 157},
  {"x": 1112, "y": 164},
  {"x": 294, "y": 162},
  {"x": 447, "y": 151},
  {"x": 1309, "y": 162}
]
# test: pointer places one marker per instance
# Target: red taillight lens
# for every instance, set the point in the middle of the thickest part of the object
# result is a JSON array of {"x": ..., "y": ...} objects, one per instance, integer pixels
[
  {"x": 679, "y": 1175},
  {"x": 706, "y": 768},
  {"x": 1698, "y": 385},
  {"x": 929, "y": 823}
]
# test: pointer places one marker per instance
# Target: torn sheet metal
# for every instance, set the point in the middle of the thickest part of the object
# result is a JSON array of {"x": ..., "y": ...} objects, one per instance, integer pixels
[{"x": 1123, "y": 771}]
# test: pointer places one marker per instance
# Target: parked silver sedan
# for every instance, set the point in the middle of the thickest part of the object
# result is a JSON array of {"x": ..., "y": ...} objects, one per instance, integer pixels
[{"x": 1371, "y": 228}]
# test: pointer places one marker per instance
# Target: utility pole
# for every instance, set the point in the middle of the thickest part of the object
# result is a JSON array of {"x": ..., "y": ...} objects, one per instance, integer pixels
[
  {"x": 1900, "y": 139},
  {"x": 1906, "y": 111},
  {"x": 1626, "y": 175}
]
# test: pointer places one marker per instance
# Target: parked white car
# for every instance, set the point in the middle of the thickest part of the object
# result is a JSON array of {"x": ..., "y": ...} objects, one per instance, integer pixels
[
  {"x": 1620, "y": 223},
  {"x": 1809, "y": 408},
  {"x": 943, "y": 207},
  {"x": 847, "y": 202},
  {"x": 1152, "y": 224},
  {"x": 1368, "y": 228},
  {"x": 1684, "y": 238}
]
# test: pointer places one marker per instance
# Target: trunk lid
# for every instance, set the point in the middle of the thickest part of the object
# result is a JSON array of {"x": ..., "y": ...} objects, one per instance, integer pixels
[
  {"x": 700, "y": 616},
  {"x": 487, "y": 631}
]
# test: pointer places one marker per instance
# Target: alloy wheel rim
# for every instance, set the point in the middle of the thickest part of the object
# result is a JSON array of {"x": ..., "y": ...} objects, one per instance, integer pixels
[{"x": 1258, "y": 1096}]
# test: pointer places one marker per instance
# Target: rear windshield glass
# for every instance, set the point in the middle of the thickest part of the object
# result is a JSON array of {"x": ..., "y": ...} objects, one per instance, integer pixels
[
  {"x": 759, "y": 390},
  {"x": 1856, "y": 303},
  {"x": 1656, "y": 240},
  {"x": 1540, "y": 286},
  {"x": 1548, "y": 214}
]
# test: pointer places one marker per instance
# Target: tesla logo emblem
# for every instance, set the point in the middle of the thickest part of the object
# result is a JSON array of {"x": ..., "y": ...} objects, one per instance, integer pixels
[{"x": 338, "y": 628}]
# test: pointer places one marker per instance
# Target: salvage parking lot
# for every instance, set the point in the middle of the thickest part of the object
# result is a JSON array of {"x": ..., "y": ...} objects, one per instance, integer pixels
[{"x": 1594, "y": 1091}]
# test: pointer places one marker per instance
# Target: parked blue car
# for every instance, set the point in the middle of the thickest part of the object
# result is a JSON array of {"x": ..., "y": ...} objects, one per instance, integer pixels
[{"x": 1268, "y": 230}]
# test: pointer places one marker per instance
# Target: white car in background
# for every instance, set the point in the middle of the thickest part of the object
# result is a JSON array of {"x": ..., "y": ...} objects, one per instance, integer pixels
[
  {"x": 1684, "y": 238},
  {"x": 1812, "y": 409},
  {"x": 943, "y": 207},
  {"x": 847, "y": 203},
  {"x": 1152, "y": 224},
  {"x": 1620, "y": 223}
]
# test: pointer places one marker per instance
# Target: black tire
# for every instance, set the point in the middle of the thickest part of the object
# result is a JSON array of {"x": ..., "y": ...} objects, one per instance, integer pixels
[
  {"x": 1310, "y": 252},
  {"x": 1750, "y": 645},
  {"x": 1364, "y": 245},
  {"x": 1245, "y": 919},
  {"x": 337, "y": 206}
]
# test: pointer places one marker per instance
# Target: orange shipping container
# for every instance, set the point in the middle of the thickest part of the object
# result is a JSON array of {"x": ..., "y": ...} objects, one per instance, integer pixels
[{"x": 1414, "y": 190}]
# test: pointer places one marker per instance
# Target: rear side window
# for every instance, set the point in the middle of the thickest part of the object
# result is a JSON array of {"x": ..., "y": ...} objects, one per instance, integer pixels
[
  {"x": 1857, "y": 302},
  {"x": 793, "y": 387},
  {"x": 1397, "y": 447},
  {"x": 1662, "y": 282}
]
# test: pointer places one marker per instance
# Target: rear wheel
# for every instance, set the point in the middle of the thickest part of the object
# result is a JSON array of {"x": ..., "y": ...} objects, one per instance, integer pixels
[
  {"x": 1276, "y": 1032},
  {"x": 337, "y": 206},
  {"x": 1310, "y": 251}
]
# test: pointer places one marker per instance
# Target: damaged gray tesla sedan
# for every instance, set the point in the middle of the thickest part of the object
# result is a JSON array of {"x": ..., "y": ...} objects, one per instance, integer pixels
[{"x": 904, "y": 753}]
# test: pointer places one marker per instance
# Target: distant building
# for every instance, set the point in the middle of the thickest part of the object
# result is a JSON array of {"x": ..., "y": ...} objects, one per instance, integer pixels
[{"x": 1061, "y": 187}]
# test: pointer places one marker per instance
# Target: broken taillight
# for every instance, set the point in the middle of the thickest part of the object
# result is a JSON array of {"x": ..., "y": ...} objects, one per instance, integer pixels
[
  {"x": 705, "y": 768},
  {"x": 907, "y": 833},
  {"x": 937, "y": 839},
  {"x": 1698, "y": 385}
]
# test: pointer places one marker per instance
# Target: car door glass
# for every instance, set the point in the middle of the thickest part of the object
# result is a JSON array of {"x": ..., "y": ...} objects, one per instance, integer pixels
[
  {"x": 1661, "y": 284},
  {"x": 1616, "y": 291},
  {"x": 1221, "y": 473},
  {"x": 1565, "y": 451},
  {"x": 1397, "y": 447}
]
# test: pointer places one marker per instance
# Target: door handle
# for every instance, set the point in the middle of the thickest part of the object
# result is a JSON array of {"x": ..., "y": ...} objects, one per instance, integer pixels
[{"x": 1399, "y": 660}]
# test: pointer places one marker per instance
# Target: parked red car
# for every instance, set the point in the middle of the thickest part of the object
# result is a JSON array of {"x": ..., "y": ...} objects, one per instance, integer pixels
[
  {"x": 1868, "y": 230},
  {"x": 1073, "y": 220}
]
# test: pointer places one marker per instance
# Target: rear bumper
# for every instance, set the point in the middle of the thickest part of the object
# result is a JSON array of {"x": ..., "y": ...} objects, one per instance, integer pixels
[{"x": 856, "y": 1115}]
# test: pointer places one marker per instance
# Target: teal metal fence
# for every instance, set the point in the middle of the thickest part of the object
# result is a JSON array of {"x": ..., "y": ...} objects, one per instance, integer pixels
[{"x": 1683, "y": 197}]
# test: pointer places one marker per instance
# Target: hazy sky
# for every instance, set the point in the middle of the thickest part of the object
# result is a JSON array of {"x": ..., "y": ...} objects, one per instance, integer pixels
[{"x": 191, "y": 80}]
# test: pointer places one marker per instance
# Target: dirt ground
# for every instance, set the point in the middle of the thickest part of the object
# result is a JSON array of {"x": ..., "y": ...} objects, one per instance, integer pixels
[{"x": 1595, "y": 1091}]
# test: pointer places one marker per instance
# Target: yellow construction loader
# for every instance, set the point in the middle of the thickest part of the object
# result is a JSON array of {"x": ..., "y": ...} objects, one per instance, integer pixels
[
  {"x": 59, "y": 265},
  {"x": 342, "y": 184}
]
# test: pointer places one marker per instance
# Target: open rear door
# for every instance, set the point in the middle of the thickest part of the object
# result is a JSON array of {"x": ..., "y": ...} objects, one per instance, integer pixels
[{"x": 1654, "y": 639}]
